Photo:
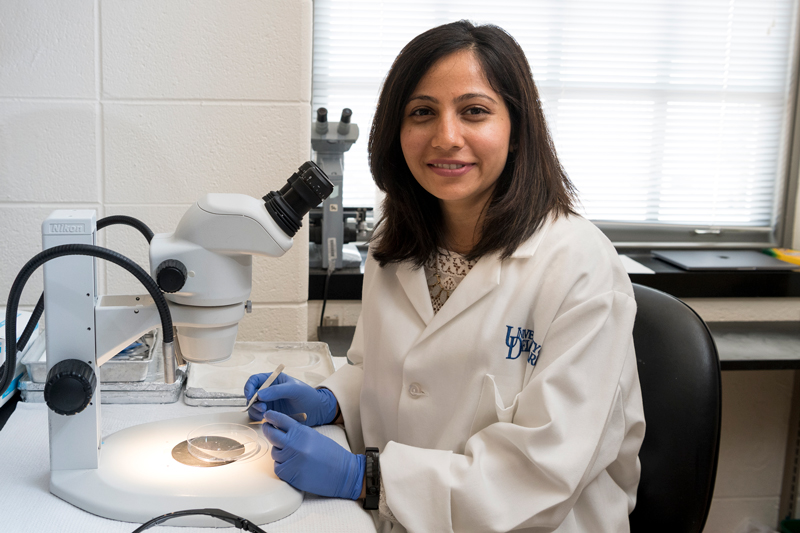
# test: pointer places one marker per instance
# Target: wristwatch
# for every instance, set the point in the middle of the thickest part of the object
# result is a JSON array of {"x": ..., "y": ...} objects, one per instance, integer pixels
[{"x": 372, "y": 476}]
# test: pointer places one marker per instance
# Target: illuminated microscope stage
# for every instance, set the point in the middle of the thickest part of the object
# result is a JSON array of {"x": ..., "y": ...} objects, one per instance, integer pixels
[{"x": 138, "y": 479}]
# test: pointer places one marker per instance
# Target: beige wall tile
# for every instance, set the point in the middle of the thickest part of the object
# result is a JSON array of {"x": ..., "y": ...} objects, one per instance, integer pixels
[
  {"x": 728, "y": 515},
  {"x": 755, "y": 417},
  {"x": 274, "y": 323},
  {"x": 48, "y": 48},
  {"x": 48, "y": 152},
  {"x": 250, "y": 50},
  {"x": 173, "y": 154}
]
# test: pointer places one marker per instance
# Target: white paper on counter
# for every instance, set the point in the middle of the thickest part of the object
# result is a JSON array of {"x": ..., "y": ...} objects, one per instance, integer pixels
[{"x": 634, "y": 267}]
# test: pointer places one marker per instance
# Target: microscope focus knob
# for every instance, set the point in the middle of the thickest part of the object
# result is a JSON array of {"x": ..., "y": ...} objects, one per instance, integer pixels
[
  {"x": 70, "y": 386},
  {"x": 171, "y": 275}
]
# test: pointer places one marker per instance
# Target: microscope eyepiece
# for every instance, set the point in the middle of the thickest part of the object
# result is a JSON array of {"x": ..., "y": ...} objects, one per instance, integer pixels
[
  {"x": 304, "y": 189},
  {"x": 322, "y": 120},
  {"x": 344, "y": 122}
]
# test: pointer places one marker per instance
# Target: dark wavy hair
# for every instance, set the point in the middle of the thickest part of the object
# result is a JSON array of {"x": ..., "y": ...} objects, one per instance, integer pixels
[{"x": 532, "y": 185}]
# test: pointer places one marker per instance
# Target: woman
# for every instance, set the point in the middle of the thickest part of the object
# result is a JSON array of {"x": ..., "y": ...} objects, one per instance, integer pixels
[{"x": 494, "y": 368}]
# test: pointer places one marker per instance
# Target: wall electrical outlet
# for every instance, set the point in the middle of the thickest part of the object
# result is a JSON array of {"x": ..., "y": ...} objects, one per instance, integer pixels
[{"x": 332, "y": 320}]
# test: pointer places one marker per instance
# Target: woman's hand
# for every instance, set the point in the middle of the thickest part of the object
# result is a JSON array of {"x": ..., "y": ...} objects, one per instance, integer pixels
[
  {"x": 312, "y": 462},
  {"x": 291, "y": 396}
]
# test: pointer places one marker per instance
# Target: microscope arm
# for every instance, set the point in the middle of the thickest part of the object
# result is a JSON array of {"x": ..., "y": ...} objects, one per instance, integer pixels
[{"x": 120, "y": 320}]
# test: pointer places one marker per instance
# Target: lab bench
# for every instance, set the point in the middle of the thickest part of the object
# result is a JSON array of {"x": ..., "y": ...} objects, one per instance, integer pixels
[
  {"x": 24, "y": 440},
  {"x": 757, "y": 345},
  {"x": 28, "y": 504}
]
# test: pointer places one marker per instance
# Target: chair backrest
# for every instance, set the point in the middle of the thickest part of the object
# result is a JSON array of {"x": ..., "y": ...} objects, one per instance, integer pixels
[{"x": 680, "y": 379}]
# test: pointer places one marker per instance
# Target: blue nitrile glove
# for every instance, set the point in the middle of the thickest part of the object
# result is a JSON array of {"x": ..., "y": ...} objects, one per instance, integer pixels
[
  {"x": 310, "y": 461},
  {"x": 291, "y": 396}
]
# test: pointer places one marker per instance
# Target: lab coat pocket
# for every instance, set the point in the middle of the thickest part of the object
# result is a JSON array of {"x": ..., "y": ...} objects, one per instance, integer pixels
[{"x": 498, "y": 402}]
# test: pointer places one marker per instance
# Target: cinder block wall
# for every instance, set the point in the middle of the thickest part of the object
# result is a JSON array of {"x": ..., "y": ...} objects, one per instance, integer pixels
[{"x": 139, "y": 108}]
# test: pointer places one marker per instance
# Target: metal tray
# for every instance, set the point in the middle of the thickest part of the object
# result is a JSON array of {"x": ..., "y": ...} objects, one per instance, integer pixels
[
  {"x": 131, "y": 364},
  {"x": 151, "y": 390},
  {"x": 223, "y": 383}
]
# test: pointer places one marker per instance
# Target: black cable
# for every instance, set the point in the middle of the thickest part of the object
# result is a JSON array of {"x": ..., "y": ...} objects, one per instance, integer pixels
[
  {"x": 26, "y": 335},
  {"x": 102, "y": 223},
  {"x": 236, "y": 521},
  {"x": 325, "y": 297},
  {"x": 35, "y": 316},
  {"x": 127, "y": 221},
  {"x": 73, "y": 249}
]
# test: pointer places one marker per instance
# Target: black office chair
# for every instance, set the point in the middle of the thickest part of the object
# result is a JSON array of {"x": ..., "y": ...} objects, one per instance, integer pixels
[{"x": 680, "y": 378}]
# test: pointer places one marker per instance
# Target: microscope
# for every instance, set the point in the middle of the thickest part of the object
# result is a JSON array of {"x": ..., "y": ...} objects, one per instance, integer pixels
[
  {"x": 198, "y": 290},
  {"x": 331, "y": 141}
]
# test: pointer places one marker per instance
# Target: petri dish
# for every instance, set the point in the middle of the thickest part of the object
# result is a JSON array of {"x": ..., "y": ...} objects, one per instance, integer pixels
[{"x": 222, "y": 443}]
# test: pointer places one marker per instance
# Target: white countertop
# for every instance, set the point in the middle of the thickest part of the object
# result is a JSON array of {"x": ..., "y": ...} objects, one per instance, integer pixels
[{"x": 27, "y": 504}]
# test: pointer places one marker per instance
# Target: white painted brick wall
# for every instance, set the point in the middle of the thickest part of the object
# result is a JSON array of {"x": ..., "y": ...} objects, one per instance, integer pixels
[
  {"x": 48, "y": 49},
  {"x": 168, "y": 153},
  {"x": 139, "y": 108},
  {"x": 157, "y": 49},
  {"x": 48, "y": 152}
]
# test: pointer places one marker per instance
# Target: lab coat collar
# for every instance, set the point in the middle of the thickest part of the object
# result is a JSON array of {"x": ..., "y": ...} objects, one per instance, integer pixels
[
  {"x": 482, "y": 279},
  {"x": 529, "y": 247},
  {"x": 413, "y": 282}
]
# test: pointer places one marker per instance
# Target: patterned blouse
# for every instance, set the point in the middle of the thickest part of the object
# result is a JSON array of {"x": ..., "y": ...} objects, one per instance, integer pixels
[{"x": 444, "y": 272}]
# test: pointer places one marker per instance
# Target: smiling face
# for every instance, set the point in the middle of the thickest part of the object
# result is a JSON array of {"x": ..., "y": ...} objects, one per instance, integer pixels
[{"x": 456, "y": 133}]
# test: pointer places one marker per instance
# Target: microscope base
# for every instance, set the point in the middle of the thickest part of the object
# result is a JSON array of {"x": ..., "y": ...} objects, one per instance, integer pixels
[{"x": 138, "y": 479}]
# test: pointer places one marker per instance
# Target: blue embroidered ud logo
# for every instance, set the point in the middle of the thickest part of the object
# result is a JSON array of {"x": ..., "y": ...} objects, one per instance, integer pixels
[{"x": 522, "y": 342}]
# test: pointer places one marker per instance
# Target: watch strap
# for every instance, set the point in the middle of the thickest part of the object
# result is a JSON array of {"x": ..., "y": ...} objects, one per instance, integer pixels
[{"x": 372, "y": 477}]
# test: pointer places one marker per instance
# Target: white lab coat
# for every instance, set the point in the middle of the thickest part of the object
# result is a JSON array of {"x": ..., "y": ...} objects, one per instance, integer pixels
[{"x": 517, "y": 406}]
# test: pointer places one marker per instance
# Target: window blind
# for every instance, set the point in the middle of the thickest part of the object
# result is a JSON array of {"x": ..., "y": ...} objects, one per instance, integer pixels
[{"x": 665, "y": 114}]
